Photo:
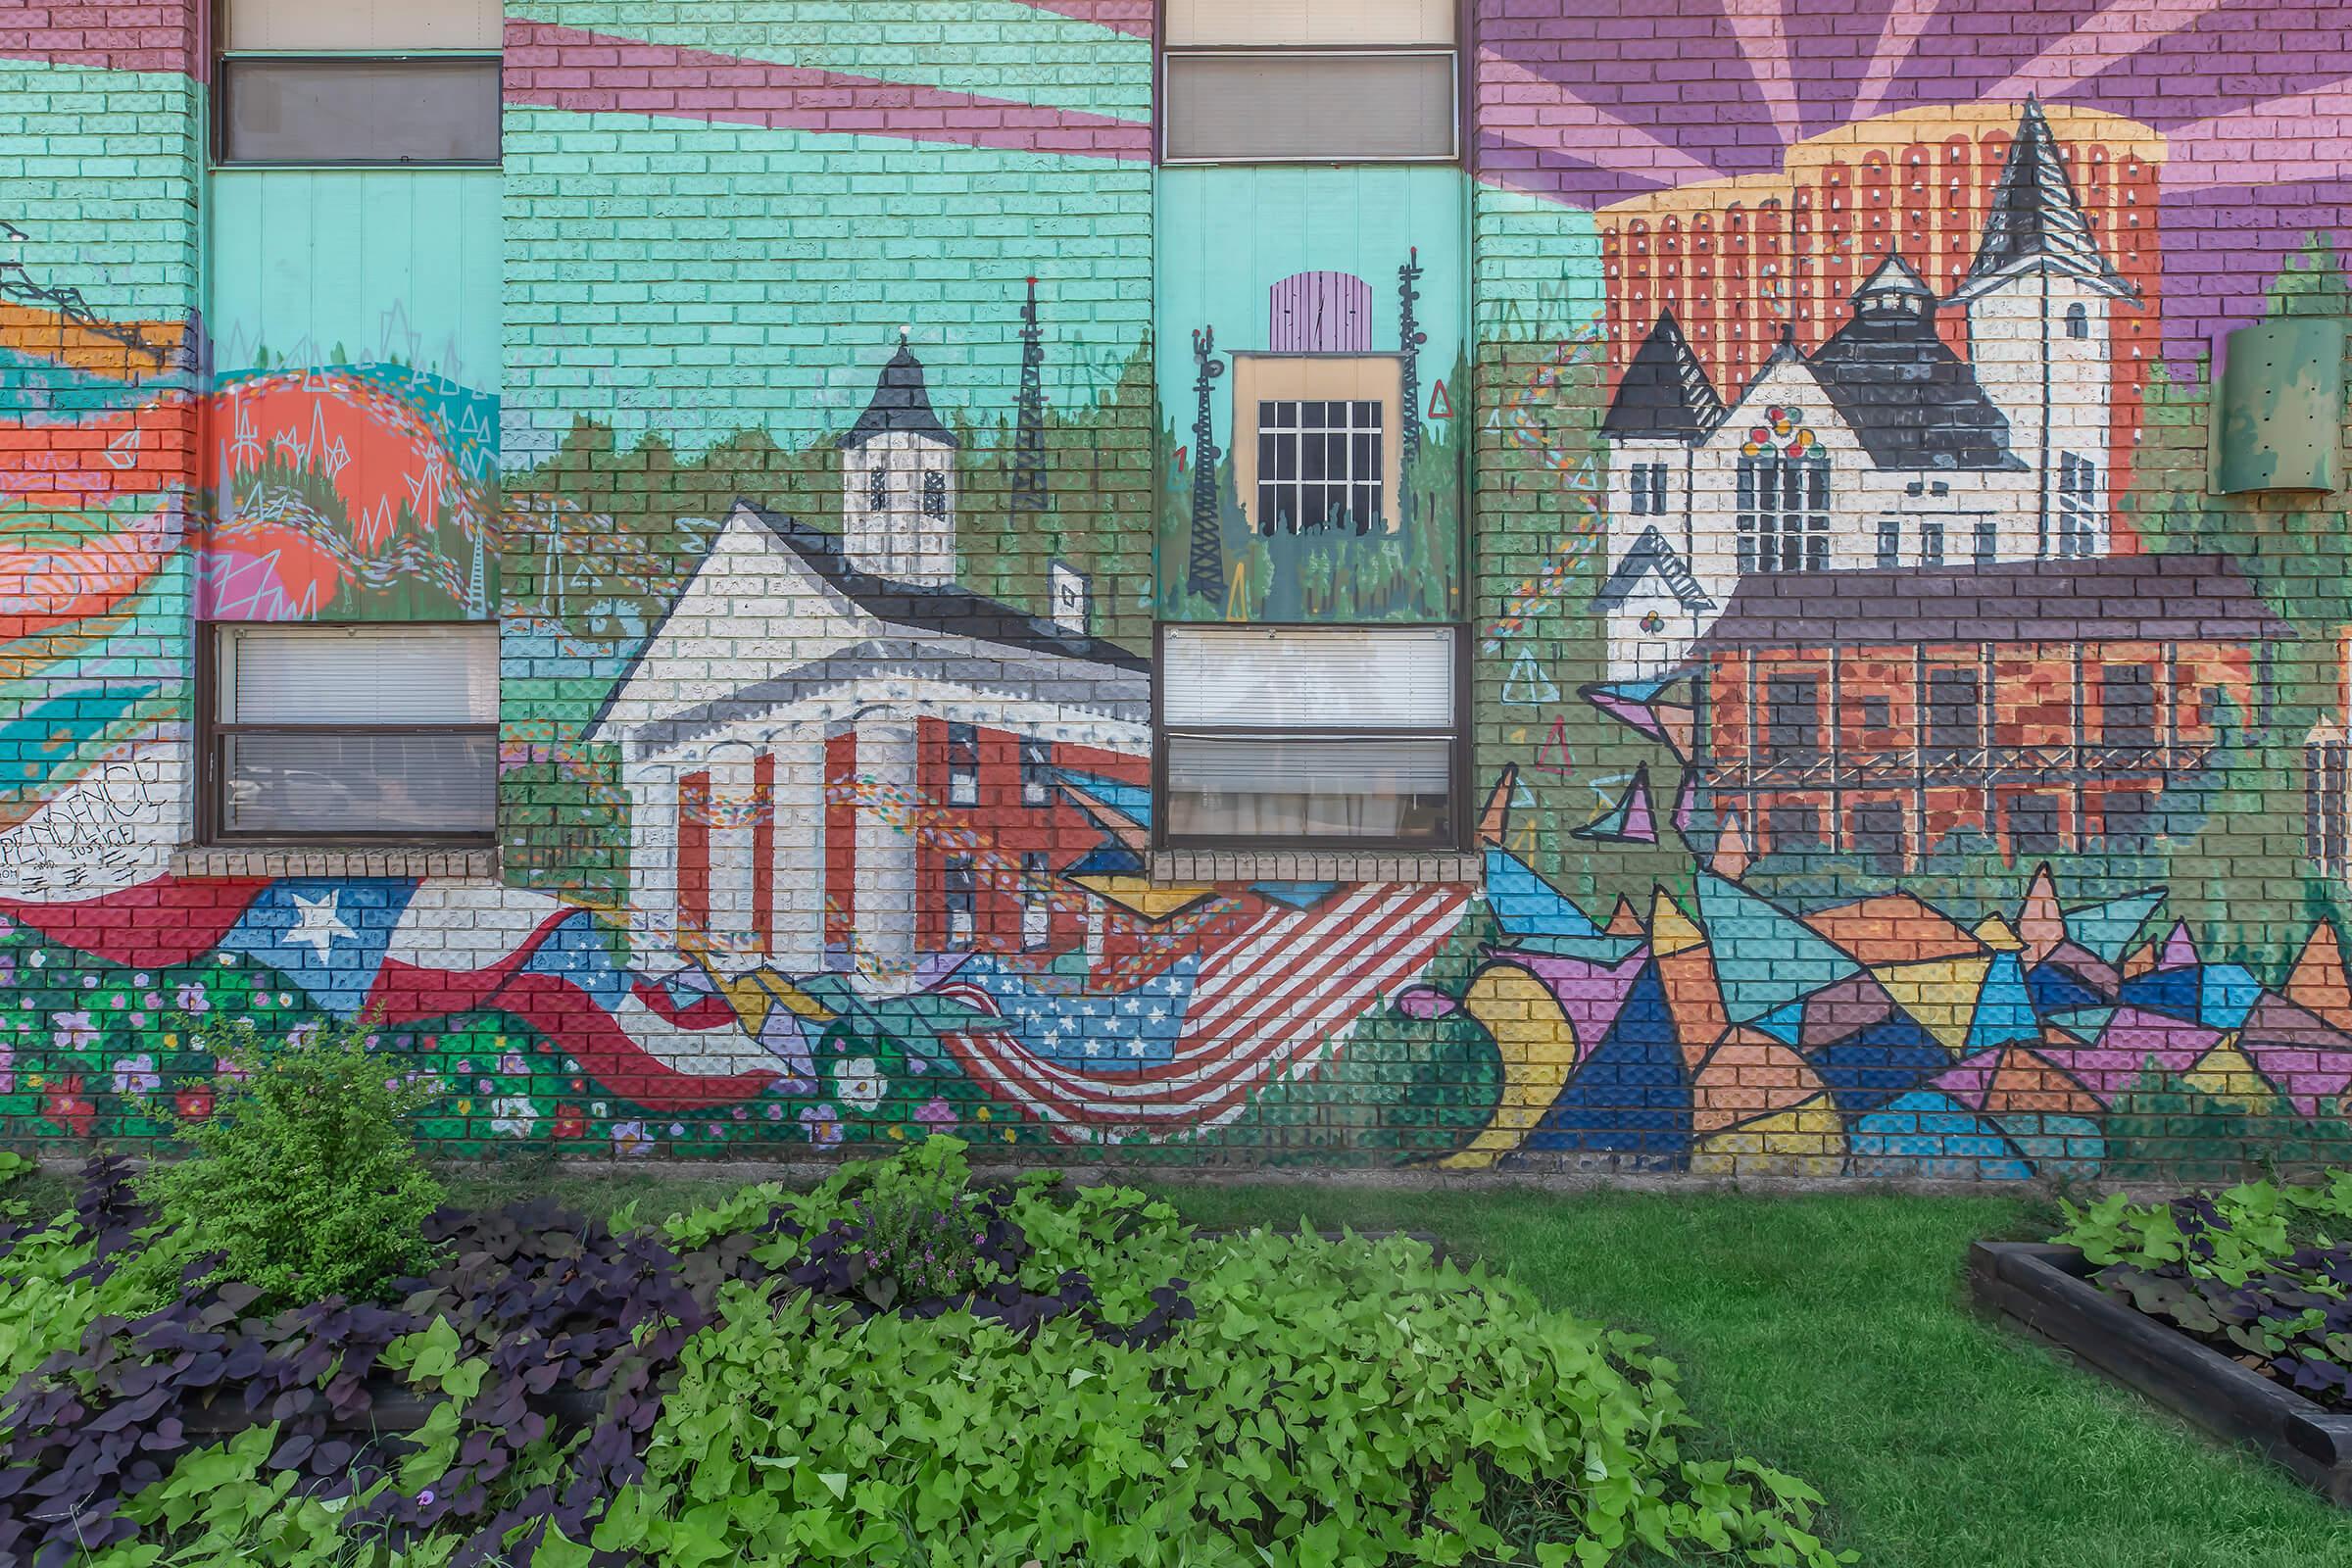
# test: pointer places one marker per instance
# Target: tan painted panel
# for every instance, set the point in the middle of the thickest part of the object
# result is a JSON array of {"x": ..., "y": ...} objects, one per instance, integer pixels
[
  {"x": 1193, "y": 22},
  {"x": 388, "y": 24}
]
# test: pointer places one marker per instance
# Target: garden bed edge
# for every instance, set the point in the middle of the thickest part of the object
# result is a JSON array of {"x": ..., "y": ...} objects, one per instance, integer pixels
[{"x": 2042, "y": 1290}]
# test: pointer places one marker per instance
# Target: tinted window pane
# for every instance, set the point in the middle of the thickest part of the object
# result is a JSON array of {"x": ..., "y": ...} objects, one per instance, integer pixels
[
  {"x": 342, "y": 784},
  {"x": 359, "y": 111},
  {"x": 1294, "y": 789},
  {"x": 1310, "y": 105}
]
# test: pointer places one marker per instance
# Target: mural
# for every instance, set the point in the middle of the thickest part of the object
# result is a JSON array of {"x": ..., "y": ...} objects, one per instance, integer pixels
[{"x": 1894, "y": 763}]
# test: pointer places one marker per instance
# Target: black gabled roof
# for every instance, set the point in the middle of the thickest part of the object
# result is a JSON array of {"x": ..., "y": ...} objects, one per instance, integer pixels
[
  {"x": 2034, "y": 215},
  {"x": 948, "y": 611},
  {"x": 1665, "y": 393},
  {"x": 1909, "y": 400},
  {"x": 902, "y": 401},
  {"x": 1652, "y": 552}
]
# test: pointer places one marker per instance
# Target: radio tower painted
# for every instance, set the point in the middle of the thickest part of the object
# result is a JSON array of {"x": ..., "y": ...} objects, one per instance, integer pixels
[
  {"x": 1205, "y": 574},
  {"x": 1409, "y": 338},
  {"x": 1029, "y": 430}
]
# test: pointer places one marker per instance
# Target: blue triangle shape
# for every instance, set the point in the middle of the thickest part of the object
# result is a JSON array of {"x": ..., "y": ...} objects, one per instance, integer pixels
[
  {"x": 2004, "y": 1009},
  {"x": 1783, "y": 1024},
  {"x": 2107, "y": 929},
  {"x": 1527, "y": 905},
  {"x": 1764, "y": 957}
]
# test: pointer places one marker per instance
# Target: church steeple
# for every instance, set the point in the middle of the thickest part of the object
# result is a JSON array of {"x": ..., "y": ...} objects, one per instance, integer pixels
[
  {"x": 2036, "y": 217},
  {"x": 898, "y": 481},
  {"x": 1029, "y": 498}
]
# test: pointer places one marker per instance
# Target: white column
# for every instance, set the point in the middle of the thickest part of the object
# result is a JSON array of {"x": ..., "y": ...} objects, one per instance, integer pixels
[
  {"x": 886, "y": 854},
  {"x": 653, "y": 788},
  {"x": 800, "y": 849},
  {"x": 731, "y": 837}
]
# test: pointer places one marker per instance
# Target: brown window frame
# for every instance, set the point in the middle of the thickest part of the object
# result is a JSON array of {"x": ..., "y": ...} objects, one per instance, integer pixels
[
  {"x": 212, "y": 752},
  {"x": 1457, "y": 737}
]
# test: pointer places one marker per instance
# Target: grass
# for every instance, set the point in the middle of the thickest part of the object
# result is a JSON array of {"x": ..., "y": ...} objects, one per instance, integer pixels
[{"x": 1826, "y": 1334}]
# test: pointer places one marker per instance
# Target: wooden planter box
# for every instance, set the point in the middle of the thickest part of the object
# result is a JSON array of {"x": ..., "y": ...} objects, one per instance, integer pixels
[{"x": 2046, "y": 1292}]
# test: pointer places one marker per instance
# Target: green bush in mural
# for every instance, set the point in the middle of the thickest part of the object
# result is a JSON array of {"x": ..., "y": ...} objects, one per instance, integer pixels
[{"x": 305, "y": 1178}]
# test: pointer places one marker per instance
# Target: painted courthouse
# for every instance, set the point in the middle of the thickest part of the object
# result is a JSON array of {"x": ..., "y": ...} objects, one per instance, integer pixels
[{"x": 1646, "y": 585}]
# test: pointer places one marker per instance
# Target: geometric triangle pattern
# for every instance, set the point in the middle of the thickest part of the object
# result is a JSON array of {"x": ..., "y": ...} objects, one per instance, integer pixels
[{"x": 1724, "y": 1030}]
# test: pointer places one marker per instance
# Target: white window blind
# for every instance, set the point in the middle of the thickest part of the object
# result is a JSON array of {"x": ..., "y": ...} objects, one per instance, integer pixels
[
  {"x": 1192, "y": 23},
  {"x": 1338, "y": 677},
  {"x": 372, "y": 25},
  {"x": 345, "y": 676}
]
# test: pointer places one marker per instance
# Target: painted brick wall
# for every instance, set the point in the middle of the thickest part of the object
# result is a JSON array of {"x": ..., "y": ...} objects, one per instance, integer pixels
[{"x": 1889, "y": 761}]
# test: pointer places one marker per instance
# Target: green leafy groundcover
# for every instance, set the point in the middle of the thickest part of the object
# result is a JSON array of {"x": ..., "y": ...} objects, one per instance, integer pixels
[
  {"x": 2261, "y": 1272},
  {"x": 1110, "y": 1388}
]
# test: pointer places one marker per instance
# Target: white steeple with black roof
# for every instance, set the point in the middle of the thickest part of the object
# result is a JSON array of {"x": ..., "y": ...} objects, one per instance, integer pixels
[{"x": 898, "y": 481}]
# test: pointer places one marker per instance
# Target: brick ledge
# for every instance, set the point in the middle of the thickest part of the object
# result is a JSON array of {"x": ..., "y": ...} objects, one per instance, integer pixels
[
  {"x": 223, "y": 860},
  {"x": 1319, "y": 865}
]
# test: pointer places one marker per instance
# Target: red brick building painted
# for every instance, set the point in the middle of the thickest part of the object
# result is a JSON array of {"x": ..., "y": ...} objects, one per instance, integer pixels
[{"x": 1877, "y": 713}]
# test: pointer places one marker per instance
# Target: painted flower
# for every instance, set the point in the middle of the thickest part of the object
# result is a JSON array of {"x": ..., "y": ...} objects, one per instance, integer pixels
[
  {"x": 67, "y": 1106},
  {"x": 936, "y": 1112},
  {"x": 631, "y": 1138},
  {"x": 569, "y": 1123},
  {"x": 859, "y": 1081},
  {"x": 194, "y": 1103},
  {"x": 136, "y": 1075},
  {"x": 152, "y": 1000},
  {"x": 824, "y": 1124},
  {"x": 302, "y": 1034},
  {"x": 8, "y": 1070},
  {"x": 513, "y": 1063},
  {"x": 192, "y": 998},
  {"x": 513, "y": 1116},
  {"x": 73, "y": 1031}
]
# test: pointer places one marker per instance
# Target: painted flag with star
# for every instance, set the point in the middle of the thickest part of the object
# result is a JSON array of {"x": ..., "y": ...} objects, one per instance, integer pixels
[
  {"x": 1258, "y": 1000},
  {"x": 416, "y": 950}
]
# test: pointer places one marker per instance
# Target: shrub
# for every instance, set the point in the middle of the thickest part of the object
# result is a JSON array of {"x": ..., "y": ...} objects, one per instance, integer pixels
[{"x": 304, "y": 1179}]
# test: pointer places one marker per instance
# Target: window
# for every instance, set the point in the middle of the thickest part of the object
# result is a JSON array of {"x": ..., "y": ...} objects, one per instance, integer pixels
[
  {"x": 1317, "y": 451},
  {"x": 359, "y": 733},
  {"x": 2131, "y": 820},
  {"x": 1891, "y": 541},
  {"x": 1955, "y": 716},
  {"x": 935, "y": 494},
  {"x": 1877, "y": 713},
  {"x": 1791, "y": 830},
  {"x": 1340, "y": 737},
  {"x": 1792, "y": 717},
  {"x": 962, "y": 904},
  {"x": 1649, "y": 489},
  {"x": 2077, "y": 504},
  {"x": 1037, "y": 772},
  {"x": 1879, "y": 835},
  {"x": 1930, "y": 544},
  {"x": 1309, "y": 82},
  {"x": 2033, "y": 827},
  {"x": 302, "y": 83},
  {"x": 1784, "y": 513},
  {"x": 1319, "y": 466},
  {"x": 1037, "y": 901},
  {"x": 2077, "y": 320},
  {"x": 1988, "y": 537},
  {"x": 963, "y": 765},
  {"x": 2128, "y": 705},
  {"x": 877, "y": 491}
]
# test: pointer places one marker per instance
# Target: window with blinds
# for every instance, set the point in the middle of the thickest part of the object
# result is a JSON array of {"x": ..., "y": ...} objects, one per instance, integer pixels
[
  {"x": 1309, "y": 82},
  {"x": 357, "y": 82},
  {"x": 353, "y": 733},
  {"x": 1336, "y": 737}
]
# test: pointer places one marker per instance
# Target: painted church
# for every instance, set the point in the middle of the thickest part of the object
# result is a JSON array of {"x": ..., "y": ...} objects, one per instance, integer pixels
[
  {"x": 838, "y": 758},
  {"x": 1883, "y": 448}
]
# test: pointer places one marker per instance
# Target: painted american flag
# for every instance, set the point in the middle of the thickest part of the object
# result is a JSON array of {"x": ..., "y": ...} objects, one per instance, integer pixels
[{"x": 1185, "y": 1050}]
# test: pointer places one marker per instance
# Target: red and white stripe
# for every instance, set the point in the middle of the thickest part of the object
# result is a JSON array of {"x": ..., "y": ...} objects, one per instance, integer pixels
[{"x": 1265, "y": 1000}]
